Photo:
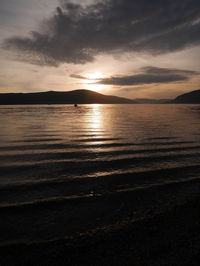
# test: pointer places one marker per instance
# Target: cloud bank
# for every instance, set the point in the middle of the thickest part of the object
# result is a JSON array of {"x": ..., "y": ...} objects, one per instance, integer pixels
[
  {"x": 150, "y": 75},
  {"x": 77, "y": 33}
]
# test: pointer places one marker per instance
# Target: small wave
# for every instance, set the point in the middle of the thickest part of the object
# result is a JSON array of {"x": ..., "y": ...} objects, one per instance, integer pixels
[
  {"x": 90, "y": 154},
  {"x": 96, "y": 139},
  {"x": 78, "y": 146},
  {"x": 37, "y": 140},
  {"x": 92, "y": 165},
  {"x": 162, "y": 138},
  {"x": 86, "y": 198}
]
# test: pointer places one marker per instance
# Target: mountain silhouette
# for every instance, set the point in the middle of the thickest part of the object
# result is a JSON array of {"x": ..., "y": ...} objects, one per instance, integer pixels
[
  {"x": 54, "y": 97},
  {"x": 151, "y": 101},
  {"x": 190, "y": 97}
]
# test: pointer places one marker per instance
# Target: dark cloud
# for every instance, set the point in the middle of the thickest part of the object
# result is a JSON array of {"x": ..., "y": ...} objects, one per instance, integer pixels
[
  {"x": 161, "y": 70},
  {"x": 150, "y": 75},
  {"x": 78, "y": 76},
  {"x": 76, "y": 33}
]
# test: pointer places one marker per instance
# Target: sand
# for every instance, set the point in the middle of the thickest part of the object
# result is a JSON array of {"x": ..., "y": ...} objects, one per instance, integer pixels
[{"x": 167, "y": 236}]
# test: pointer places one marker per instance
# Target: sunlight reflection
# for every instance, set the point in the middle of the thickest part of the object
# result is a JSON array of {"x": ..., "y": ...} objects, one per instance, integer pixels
[
  {"x": 95, "y": 122},
  {"x": 95, "y": 118}
]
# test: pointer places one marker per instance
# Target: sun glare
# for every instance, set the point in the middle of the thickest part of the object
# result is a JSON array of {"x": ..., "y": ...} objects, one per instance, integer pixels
[
  {"x": 92, "y": 79},
  {"x": 95, "y": 76}
]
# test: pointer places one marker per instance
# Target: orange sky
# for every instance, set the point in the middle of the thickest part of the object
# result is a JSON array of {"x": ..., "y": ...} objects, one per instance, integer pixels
[{"x": 118, "y": 72}]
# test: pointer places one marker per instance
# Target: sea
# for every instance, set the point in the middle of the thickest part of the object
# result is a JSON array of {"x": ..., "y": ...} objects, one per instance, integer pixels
[{"x": 65, "y": 170}]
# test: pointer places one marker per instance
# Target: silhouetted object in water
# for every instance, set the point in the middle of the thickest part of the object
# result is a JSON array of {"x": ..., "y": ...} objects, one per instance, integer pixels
[{"x": 75, "y": 105}]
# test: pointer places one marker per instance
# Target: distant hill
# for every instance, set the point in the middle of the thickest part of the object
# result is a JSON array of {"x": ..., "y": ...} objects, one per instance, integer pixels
[
  {"x": 54, "y": 97},
  {"x": 152, "y": 101},
  {"x": 190, "y": 97}
]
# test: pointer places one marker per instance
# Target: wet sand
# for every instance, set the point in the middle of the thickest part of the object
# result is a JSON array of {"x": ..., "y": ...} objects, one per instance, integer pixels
[{"x": 167, "y": 233}]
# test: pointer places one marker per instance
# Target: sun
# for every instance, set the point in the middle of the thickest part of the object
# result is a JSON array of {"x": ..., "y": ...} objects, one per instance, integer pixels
[
  {"x": 91, "y": 81},
  {"x": 95, "y": 76}
]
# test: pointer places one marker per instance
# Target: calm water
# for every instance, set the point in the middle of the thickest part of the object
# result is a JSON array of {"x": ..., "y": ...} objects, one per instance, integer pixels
[{"x": 54, "y": 158}]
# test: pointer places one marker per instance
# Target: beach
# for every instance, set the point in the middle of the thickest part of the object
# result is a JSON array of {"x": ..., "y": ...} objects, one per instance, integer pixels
[{"x": 168, "y": 234}]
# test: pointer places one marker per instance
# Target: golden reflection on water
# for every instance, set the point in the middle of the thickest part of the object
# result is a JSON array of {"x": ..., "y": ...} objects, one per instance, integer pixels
[
  {"x": 133, "y": 123},
  {"x": 94, "y": 119}
]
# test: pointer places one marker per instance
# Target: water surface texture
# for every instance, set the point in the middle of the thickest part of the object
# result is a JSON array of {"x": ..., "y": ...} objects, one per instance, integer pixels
[{"x": 60, "y": 164}]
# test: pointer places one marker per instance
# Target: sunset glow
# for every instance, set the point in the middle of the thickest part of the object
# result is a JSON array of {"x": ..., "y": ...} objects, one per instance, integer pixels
[
  {"x": 54, "y": 45},
  {"x": 100, "y": 132},
  {"x": 95, "y": 76},
  {"x": 91, "y": 81}
]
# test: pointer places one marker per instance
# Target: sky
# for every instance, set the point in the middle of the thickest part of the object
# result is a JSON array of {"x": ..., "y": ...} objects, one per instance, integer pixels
[{"x": 129, "y": 48}]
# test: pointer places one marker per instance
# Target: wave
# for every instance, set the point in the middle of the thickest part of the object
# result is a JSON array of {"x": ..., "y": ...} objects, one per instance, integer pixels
[
  {"x": 72, "y": 200},
  {"x": 79, "y": 146},
  {"x": 87, "y": 166},
  {"x": 90, "y": 154},
  {"x": 63, "y": 187},
  {"x": 61, "y": 171}
]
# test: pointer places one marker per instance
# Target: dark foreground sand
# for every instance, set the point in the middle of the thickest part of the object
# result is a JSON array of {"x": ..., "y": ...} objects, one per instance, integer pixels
[{"x": 169, "y": 238}]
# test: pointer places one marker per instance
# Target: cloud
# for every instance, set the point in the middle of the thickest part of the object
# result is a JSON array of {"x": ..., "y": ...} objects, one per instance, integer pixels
[
  {"x": 161, "y": 70},
  {"x": 78, "y": 76},
  {"x": 77, "y": 33},
  {"x": 150, "y": 75}
]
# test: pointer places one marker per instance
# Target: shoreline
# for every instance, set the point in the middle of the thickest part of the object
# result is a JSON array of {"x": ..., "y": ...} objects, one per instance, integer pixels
[{"x": 168, "y": 237}]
